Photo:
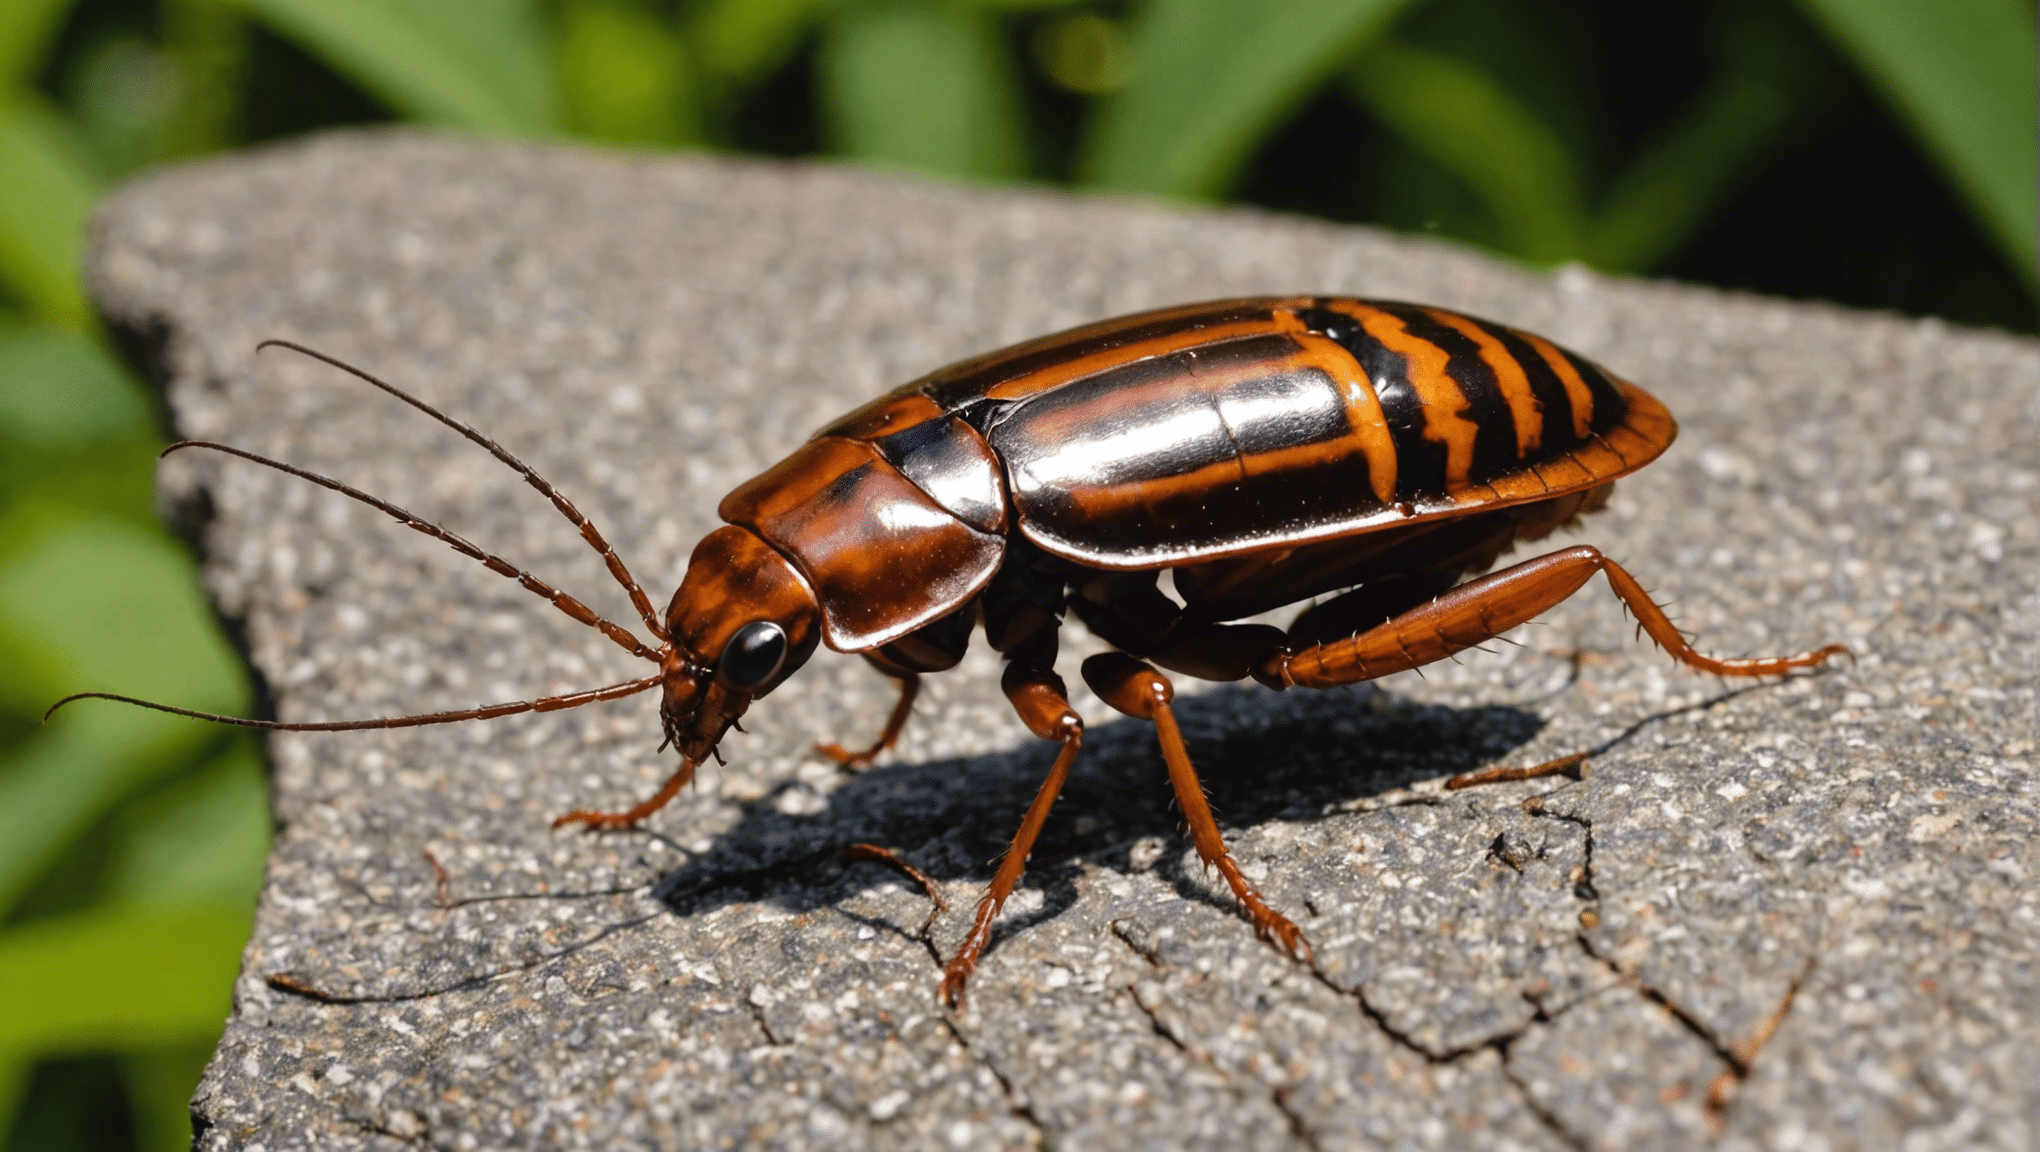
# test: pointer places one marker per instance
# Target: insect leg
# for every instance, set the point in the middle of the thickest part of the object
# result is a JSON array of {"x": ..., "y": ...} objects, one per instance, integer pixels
[
  {"x": 1219, "y": 652},
  {"x": 1139, "y": 691},
  {"x": 611, "y": 821},
  {"x": 1667, "y": 635},
  {"x": 1480, "y": 610},
  {"x": 892, "y": 859},
  {"x": 1567, "y": 765},
  {"x": 1127, "y": 611},
  {"x": 910, "y": 687},
  {"x": 1042, "y": 700}
]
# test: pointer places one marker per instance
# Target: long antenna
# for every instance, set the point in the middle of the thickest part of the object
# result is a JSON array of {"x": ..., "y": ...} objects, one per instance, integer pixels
[
  {"x": 589, "y": 532},
  {"x": 485, "y": 712},
  {"x": 501, "y": 567}
]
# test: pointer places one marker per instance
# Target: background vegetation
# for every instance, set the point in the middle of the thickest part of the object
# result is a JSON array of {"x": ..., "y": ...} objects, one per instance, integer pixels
[{"x": 1873, "y": 152}]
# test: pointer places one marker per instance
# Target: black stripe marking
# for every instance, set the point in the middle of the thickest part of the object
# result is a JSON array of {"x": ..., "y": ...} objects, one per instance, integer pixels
[
  {"x": 1610, "y": 408},
  {"x": 1494, "y": 438},
  {"x": 1419, "y": 460},
  {"x": 1558, "y": 437}
]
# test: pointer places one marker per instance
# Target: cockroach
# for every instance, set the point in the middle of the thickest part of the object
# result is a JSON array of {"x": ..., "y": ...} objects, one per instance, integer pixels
[{"x": 1373, "y": 458}]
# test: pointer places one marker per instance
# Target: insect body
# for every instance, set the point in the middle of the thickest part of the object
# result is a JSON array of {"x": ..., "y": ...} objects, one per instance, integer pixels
[{"x": 1262, "y": 452}]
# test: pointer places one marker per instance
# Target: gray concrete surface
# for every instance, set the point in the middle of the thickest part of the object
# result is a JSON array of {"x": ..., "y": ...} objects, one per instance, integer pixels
[{"x": 1843, "y": 863}]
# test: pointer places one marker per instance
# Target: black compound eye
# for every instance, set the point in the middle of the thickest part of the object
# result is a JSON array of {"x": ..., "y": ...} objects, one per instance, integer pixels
[{"x": 753, "y": 655}]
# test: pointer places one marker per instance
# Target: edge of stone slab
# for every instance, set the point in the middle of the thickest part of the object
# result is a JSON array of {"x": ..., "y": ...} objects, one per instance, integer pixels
[{"x": 145, "y": 336}]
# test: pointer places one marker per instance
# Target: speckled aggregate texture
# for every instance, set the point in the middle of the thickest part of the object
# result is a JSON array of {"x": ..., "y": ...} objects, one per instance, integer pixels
[{"x": 1795, "y": 914}]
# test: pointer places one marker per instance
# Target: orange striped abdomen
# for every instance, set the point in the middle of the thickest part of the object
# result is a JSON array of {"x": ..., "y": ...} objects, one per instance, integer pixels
[{"x": 1271, "y": 423}]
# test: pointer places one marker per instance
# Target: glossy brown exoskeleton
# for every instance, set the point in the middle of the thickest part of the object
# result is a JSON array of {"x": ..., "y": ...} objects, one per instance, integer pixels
[{"x": 1262, "y": 452}]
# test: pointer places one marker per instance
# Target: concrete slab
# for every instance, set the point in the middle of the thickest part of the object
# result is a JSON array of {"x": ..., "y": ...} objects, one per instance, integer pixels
[{"x": 1796, "y": 914}]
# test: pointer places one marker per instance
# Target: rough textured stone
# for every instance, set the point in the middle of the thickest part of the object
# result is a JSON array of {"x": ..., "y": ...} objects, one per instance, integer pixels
[{"x": 1844, "y": 863}]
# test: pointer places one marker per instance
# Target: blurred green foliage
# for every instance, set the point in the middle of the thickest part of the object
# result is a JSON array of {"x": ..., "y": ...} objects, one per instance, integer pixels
[{"x": 1879, "y": 152}]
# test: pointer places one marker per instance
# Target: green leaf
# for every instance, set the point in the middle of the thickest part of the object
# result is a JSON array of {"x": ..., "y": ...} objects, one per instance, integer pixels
[
  {"x": 1963, "y": 73},
  {"x": 59, "y": 388},
  {"x": 108, "y": 606},
  {"x": 1013, "y": 5},
  {"x": 625, "y": 74},
  {"x": 26, "y": 27},
  {"x": 74, "y": 428},
  {"x": 929, "y": 88},
  {"x": 1766, "y": 81},
  {"x": 1210, "y": 79},
  {"x": 1458, "y": 116},
  {"x": 159, "y": 1083},
  {"x": 15, "y": 1068},
  {"x": 120, "y": 92},
  {"x": 475, "y": 64},
  {"x": 202, "y": 838},
  {"x": 46, "y": 193},
  {"x": 1667, "y": 192},
  {"x": 741, "y": 40},
  {"x": 59, "y": 783},
  {"x": 207, "y": 44},
  {"x": 120, "y": 978},
  {"x": 88, "y": 602}
]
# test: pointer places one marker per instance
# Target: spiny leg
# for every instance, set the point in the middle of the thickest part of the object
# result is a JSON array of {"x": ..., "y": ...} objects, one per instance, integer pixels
[
  {"x": 1481, "y": 610},
  {"x": 910, "y": 687},
  {"x": 611, "y": 821},
  {"x": 1138, "y": 690},
  {"x": 1042, "y": 700}
]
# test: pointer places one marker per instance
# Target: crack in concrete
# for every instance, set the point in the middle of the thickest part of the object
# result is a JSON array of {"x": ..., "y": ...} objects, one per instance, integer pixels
[
  {"x": 501, "y": 897},
  {"x": 1165, "y": 1032},
  {"x": 1583, "y": 884},
  {"x": 1018, "y": 1105},
  {"x": 421, "y": 1139},
  {"x": 667, "y": 891},
  {"x": 758, "y": 1017},
  {"x": 1679, "y": 1012},
  {"x": 1278, "y": 1096},
  {"x": 1298, "y": 1126},
  {"x": 1358, "y": 995},
  {"x": 1739, "y": 1057},
  {"x": 1545, "y": 1116},
  {"x": 1721, "y": 1093},
  {"x": 661, "y": 890},
  {"x": 925, "y": 934},
  {"x": 1583, "y": 889},
  {"x": 1137, "y": 939},
  {"x": 1128, "y": 932}
]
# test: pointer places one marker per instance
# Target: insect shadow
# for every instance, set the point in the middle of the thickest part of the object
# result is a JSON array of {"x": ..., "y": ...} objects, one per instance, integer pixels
[{"x": 1261, "y": 757}]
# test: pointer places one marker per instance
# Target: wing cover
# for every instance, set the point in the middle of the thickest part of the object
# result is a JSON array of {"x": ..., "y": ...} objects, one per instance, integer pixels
[{"x": 1221, "y": 429}]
